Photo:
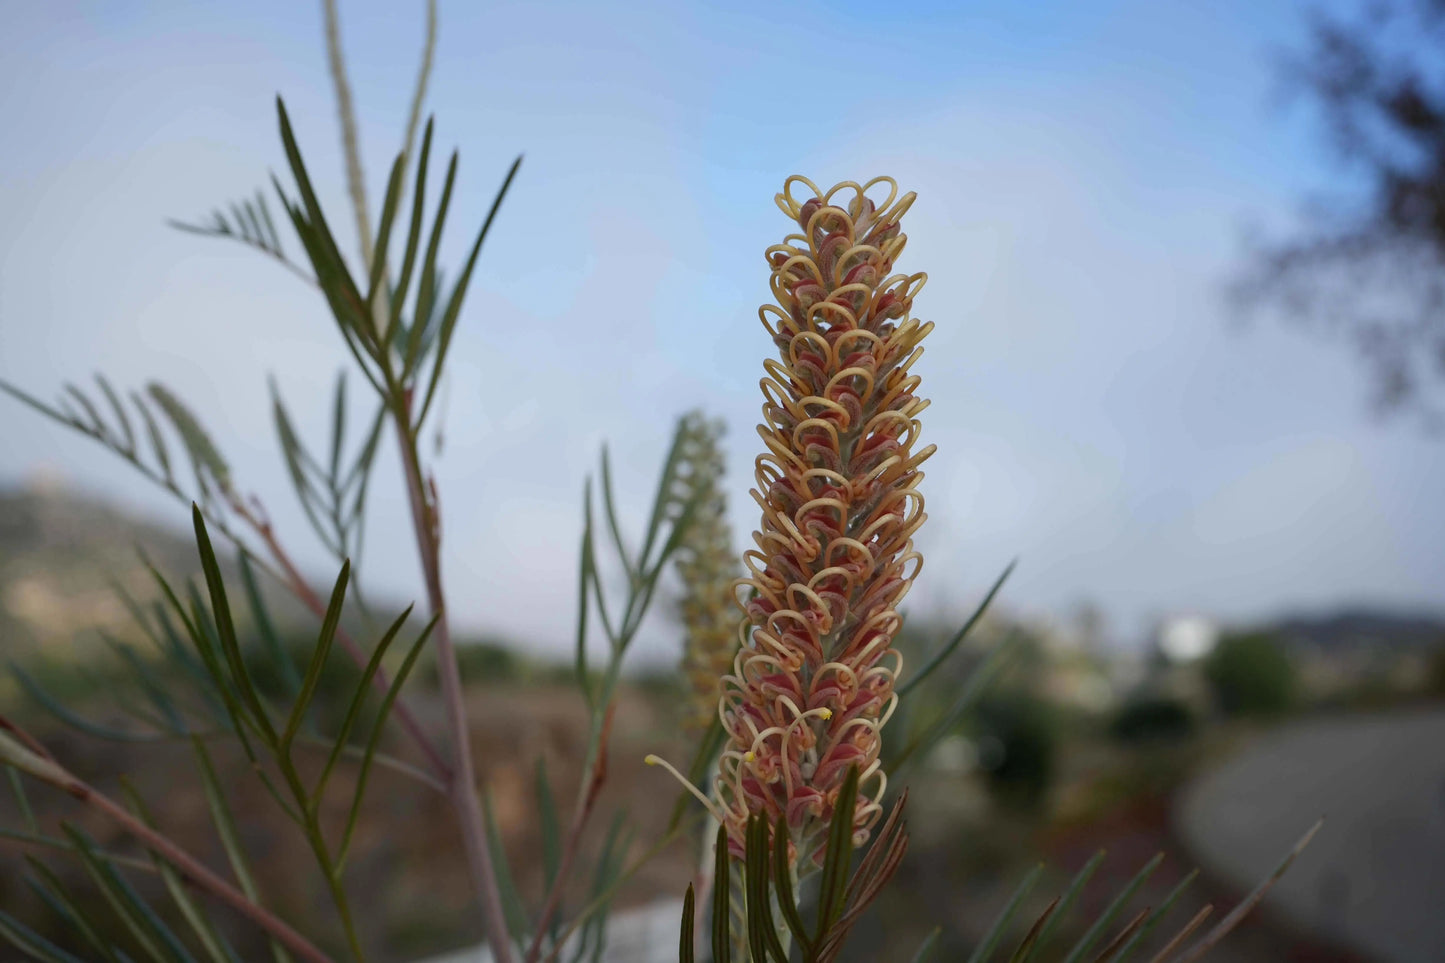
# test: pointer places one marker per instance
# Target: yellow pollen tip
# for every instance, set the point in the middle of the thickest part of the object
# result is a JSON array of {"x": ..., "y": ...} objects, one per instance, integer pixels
[
  {"x": 651, "y": 760},
  {"x": 826, "y": 714},
  {"x": 748, "y": 757}
]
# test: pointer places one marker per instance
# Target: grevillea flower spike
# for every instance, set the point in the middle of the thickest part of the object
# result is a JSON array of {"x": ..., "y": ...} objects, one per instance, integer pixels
[
  {"x": 812, "y": 684},
  {"x": 708, "y": 565}
]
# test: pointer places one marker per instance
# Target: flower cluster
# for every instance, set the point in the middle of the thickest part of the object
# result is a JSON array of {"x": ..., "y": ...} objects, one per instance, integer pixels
[
  {"x": 708, "y": 567},
  {"x": 812, "y": 684}
]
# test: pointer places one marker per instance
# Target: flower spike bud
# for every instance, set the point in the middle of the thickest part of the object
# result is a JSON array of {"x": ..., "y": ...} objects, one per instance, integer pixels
[
  {"x": 813, "y": 681},
  {"x": 708, "y": 566}
]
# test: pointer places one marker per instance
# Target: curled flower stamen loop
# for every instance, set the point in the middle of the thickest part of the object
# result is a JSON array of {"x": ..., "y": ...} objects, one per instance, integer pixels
[{"x": 836, "y": 486}]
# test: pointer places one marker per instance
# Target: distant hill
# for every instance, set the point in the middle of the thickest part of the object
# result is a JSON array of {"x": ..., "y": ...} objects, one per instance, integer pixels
[
  {"x": 1362, "y": 628},
  {"x": 62, "y": 555}
]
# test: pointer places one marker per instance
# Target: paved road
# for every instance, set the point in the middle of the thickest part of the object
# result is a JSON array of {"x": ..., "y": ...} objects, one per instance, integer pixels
[{"x": 1374, "y": 878}]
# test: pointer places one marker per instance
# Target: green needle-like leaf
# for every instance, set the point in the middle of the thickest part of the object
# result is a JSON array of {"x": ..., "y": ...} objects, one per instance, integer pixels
[
  {"x": 226, "y": 627},
  {"x": 413, "y": 236},
  {"x": 722, "y": 947},
  {"x": 58, "y": 709},
  {"x": 1097, "y": 930},
  {"x": 353, "y": 710},
  {"x": 783, "y": 885},
  {"x": 929, "y": 945},
  {"x": 833, "y": 885},
  {"x": 27, "y": 941},
  {"x": 1050, "y": 920},
  {"x": 50, "y": 889},
  {"x": 428, "y": 288},
  {"x": 686, "y": 938},
  {"x": 154, "y": 937},
  {"x": 551, "y": 826},
  {"x": 1155, "y": 918},
  {"x": 941, "y": 656},
  {"x": 312, "y": 678},
  {"x": 1000, "y": 926},
  {"x": 459, "y": 291},
  {"x": 369, "y": 755},
  {"x": 512, "y": 907}
]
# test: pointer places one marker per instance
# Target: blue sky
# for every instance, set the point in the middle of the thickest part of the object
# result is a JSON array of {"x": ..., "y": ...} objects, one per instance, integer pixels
[{"x": 1086, "y": 173}]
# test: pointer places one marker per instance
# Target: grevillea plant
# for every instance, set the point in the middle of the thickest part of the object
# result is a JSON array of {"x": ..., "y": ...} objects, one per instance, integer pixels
[{"x": 791, "y": 671}]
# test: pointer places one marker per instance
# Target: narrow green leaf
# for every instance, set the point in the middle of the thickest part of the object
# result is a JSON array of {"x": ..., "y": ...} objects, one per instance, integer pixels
[
  {"x": 1092, "y": 935},
  {"x": 1000, "y": 925},
  {"x": 1155, "y": 918},
  {"x": 383, "y": 235},
  {"x": 1106, "y": 955},
  {"x": 26, "y": 940},
  {"x": 941, "y": 656},
  {"x": 454, "y": 305},
  {"x": 610, "y": 509},
  {"x": 332, "y": 259},
  {"x": 53, "y": 414},
  {"x": 50, "y": 889},
  {"x": 22, "y": 800},
  {"x": 369, "y": 756},
  {"x": 783, "y": 886},
  {"x": 413, "y": 236},
  {"x": 1031, "y": 938},
  {"x": 127, "y": 446},
  {"x": 273, "y": 237},
  {"x": 763, "y": 940},
  {"x": 512, "y": 907},
  {"x": 97, "y": 424},
  {"x": 586, "y": 573},
  {"x": 978, "y": 682},
  {"x": 318, "y": 655},
  {"x": 686, "y": 938},
  {"x": 154, "y": 937},
  {"x": 1064, "y": 904},
  {"x": 338, "y": 425},
  {"x": 157, "y": 439},
  {"x": 551, "y": 826},
  {"x": 428, "y": 288},
  {"x": 929, "y": 945},
  {"x": 722, "y": 945},
  {"x": 58, "y": 709},
  {"x": 353, "y": 710},
  {"x": 212, "y": 941},
  {"x": 226, "y": 627},
  {"x": 203, "y": 451},
  {"x": 1224, "y": 926},
  {"x": 662, "y": 496},
  {"x": 837, "y": 856},
  {"x": 225, "y": 824},
  {"x": 266, "y": 629},
  {"x": 153, "y": 687}
]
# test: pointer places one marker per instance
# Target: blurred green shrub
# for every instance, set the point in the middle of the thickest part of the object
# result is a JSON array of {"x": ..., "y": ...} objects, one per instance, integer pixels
[
  {"x": 1017, "y": 736},
  {"x": 1152, "y": 719},
  {"x": 1251, "y": 675}
]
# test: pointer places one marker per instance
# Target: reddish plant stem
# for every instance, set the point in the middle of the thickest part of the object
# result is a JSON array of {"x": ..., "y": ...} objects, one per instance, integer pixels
[
  {"x": 185, "y": 864},
  {"x": 462, "y": 784},
  {"x": 300, "y": 588},
  {"x": 574, "y": 837}
]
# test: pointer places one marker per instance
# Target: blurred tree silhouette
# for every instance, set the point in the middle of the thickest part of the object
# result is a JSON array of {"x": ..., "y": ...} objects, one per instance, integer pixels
[
  {"x": 1368, "y": 268},
  {"x": 1251, "y": 675}
]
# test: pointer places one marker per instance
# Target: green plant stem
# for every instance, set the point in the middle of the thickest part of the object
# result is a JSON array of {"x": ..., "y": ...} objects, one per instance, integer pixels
[
  {"x": 309, "y": 808},
  {"x": 462, "y": 784}
]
